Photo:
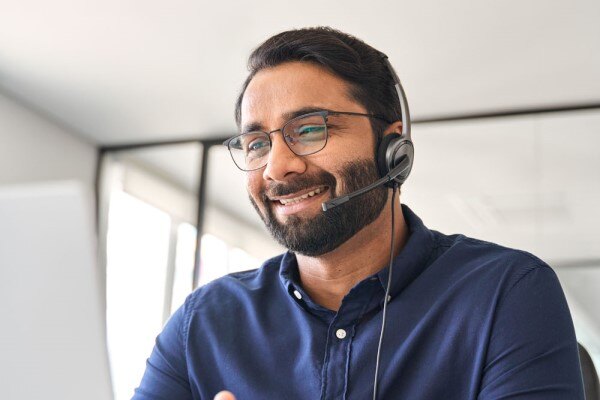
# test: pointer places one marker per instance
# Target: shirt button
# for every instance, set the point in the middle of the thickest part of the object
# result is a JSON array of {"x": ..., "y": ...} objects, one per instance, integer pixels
[
  {"x": 389, "y": 298},
  {"x": 297, "y": 294},
  {"x": 340, "y": 333}
]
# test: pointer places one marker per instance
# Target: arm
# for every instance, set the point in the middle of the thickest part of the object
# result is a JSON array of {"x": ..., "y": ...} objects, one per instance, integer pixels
[
  {"x": 532, "y": 354},
  {"x": 166, "y": 376}
]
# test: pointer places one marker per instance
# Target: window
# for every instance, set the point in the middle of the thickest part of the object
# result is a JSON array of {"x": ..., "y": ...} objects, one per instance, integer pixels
[
  {"x": 150, "y": 203},
  {"x": 137, "y": 253}
]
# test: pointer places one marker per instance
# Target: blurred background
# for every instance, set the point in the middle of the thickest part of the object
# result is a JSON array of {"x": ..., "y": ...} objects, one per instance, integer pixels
[{"x": 130, "y": 101}]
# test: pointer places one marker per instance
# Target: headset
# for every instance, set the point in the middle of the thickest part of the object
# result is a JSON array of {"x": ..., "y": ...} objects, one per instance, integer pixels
[
  {"x": 395, "y": 149},
  {"x": 395, "y": 156}
]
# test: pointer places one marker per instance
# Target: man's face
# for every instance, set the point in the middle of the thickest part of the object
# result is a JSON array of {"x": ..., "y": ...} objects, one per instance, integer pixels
[{"x": 288, "y": 192}]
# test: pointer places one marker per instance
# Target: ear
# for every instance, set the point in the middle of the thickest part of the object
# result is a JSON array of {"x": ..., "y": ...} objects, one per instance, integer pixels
[{"x": 394, "y": 127}]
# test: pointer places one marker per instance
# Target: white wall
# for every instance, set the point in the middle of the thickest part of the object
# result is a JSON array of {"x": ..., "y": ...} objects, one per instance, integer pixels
[
  {"x": 530, "y": 182},
  {"x": 35, "y": 149}
]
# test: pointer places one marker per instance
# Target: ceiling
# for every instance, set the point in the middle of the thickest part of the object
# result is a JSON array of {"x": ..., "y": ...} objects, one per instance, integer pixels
[{"x": 135, "y": 71}]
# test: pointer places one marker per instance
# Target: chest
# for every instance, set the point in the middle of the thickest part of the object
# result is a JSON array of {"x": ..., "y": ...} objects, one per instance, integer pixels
[{"x": 431, "y": 349}]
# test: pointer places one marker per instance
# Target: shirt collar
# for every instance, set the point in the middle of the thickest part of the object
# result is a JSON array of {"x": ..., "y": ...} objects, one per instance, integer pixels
[
  {"x": 412, "y": 260},
  {"x": 414, "y": 257}
]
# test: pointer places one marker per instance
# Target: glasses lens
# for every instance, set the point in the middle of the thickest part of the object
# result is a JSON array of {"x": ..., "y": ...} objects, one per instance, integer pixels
[
  {"x": 250, "y": 151},
  {"x": 306, "y": 134}
]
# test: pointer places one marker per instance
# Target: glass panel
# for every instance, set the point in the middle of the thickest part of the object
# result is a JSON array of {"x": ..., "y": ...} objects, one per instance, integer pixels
[
  {"x": 240, "y": 260},
  {"x": 214, "y": 259},
  {"x": 580, "y": 284},
  {"x": 218, "y": 259},
  {"x": 184, "y": 264},
  {"x": 148, "y": 215},
  {"x": 137, "y": 250}
]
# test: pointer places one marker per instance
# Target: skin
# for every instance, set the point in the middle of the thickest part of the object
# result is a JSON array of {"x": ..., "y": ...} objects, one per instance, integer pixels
[
  {"x": 224, "y": 395},
  {"x": 270, "y": 97}
]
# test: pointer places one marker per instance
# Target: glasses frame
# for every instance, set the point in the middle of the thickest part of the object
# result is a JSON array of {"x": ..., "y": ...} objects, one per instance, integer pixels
[{"x": 322, "y": 113}]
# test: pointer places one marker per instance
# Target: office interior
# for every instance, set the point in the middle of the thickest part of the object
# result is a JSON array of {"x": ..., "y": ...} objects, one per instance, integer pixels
[{"x": 121, "y": 109}]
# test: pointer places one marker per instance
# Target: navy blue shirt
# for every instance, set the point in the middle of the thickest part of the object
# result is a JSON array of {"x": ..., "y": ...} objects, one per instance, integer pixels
[{"x": 467, "y": 319}]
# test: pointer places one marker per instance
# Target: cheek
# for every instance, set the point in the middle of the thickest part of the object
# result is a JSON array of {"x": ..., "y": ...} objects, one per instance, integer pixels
[
  {"x": 352, "y": 145},
  {"x": 254, "y": 185},
  {"x": 362, "y": 148}
]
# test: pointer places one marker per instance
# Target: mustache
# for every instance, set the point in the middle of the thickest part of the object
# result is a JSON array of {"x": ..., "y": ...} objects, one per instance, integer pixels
[{"x": 298, "y": 184}]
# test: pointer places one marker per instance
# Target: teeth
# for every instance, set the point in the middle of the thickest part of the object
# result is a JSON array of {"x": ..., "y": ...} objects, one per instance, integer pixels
[{"x": 300, "y": 198}]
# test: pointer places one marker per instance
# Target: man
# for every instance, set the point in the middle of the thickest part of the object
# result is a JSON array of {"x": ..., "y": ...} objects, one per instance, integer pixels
[{"x": 465, "y": 319}]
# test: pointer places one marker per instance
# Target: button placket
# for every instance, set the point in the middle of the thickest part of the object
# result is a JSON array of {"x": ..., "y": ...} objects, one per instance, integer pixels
[{"x": 340, "y": 340}]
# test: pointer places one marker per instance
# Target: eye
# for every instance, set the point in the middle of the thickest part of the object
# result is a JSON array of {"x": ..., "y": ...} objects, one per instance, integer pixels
[
  {"x": 310, "y": 129},
  {"x": 257, "y": 147},
  {"x": 308, "y": 133}
]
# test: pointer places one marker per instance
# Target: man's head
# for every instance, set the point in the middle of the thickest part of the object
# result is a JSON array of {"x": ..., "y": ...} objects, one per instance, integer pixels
[
  {"x": 317, "y": 69},
  {"x": 357, "y": 63}
]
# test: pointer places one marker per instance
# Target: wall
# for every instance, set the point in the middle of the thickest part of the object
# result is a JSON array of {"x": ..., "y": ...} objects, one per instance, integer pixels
[{"x": 35, "y": 149}]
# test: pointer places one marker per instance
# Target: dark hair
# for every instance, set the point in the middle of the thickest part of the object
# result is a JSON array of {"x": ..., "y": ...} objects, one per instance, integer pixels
[{"x": 349, "y": 58}]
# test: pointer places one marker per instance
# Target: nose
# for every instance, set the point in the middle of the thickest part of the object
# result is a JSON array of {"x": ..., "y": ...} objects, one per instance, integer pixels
[{"x": 282, "y": 161}]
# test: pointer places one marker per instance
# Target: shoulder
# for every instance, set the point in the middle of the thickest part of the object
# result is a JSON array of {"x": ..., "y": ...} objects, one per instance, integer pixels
[
  {"x": 481, "y": 248},
  {"x": 486, "y": 263},
  {"x": 480, "y": 251},
  {"x": 229, "y": 301},
  {"x": 235, "y": 287}
]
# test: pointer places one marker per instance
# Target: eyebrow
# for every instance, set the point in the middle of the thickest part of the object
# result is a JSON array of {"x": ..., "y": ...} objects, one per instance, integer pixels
[{"x": 257, "y": 126}]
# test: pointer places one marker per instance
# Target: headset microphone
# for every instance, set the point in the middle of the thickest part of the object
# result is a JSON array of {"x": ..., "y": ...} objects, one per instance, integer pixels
[{"x": 389, "y": 177}]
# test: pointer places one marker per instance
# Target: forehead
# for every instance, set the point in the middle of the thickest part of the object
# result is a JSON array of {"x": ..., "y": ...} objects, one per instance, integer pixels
[{"x": 277, "y": 92}]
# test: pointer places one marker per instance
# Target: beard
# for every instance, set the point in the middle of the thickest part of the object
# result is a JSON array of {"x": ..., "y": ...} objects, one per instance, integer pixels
[{"x": 318, "y": 235}]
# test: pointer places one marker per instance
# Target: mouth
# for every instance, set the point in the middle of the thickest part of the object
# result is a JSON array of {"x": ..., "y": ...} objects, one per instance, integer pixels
[
  {"x": 298, "y": 198},
  {"x": 299, "y": 201}
]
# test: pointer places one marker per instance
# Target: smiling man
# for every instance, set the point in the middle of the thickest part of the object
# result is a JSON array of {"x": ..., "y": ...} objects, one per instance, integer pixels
[{"x": 464, "y": 319}]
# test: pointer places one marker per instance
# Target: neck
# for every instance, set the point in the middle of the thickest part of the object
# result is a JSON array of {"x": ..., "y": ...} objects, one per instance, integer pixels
[{"x": 329, "y": 277}]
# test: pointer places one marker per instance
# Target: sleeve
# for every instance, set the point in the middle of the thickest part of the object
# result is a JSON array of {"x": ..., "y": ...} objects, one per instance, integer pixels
[
  {"x": 532, "y": 354},
  {"x": 166, "y": 375}
]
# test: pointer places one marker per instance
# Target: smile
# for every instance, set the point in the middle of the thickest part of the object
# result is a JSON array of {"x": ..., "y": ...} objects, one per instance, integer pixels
[{"x": 298, "y": 199}]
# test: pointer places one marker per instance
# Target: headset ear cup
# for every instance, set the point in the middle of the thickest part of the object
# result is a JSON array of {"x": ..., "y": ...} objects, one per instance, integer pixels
[
  {"x": 398, "y": 151},
  {"x": 382, "y": 162}
]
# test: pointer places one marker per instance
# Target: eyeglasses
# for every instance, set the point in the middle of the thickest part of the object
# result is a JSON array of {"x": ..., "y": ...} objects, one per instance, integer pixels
[{"x": 304, "y": 135}]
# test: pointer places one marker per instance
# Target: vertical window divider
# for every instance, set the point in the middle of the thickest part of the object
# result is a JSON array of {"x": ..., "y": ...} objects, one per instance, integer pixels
[{"x": 170, "y": 271}]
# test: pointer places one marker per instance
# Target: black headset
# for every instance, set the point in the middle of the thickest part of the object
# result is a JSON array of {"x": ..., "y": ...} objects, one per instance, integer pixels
[
  {"x": 395, "y": 155},
  {"x": 396, "y": 148}
]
